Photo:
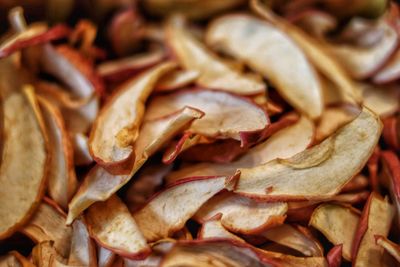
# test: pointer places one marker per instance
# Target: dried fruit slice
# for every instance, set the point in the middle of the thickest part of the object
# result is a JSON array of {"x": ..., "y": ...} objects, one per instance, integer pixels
[
  {"x": 62, "y": 178},
  {"x": 117, "y": 126},
  {"x": 244, "y": 37},
  {"x": 105, "y": 257},
  {"x": 33, "y": 35},
  {"x": 334, "y": 256},
  {"x": 112, "y": 216},
  {"x": 83, "y": 250},
  {"x": 376, "y": 219},
  {"x": 226, "y": 115},
  {"x": 22, "y": 179},
  {"x": 392, "y": 248},
  {"x": 169, "y": 210},
  {"x": 44, "y": 254},
  {"x": 382, "y": 101},
  {"x": 48, "y": 223},
  {"x": 81, "y": 149},
  {"x": 315, "y": 52},
  {"x": 214, "y": 72},
  {"x": 298, "y": 238},
  {"x": 279, "y": 145},
  {"x": 13, "y": 258},
  {"x": 99, "y": 185},
  {"x": 216, "y": 252},
  {"x": 213, "y": 228},
  {"x": 338, "y": 224},
  {"x": 361, "y": 62},
  {"x": 319, "y": 176},
  {"x": 122, "y": 69},
  {"x": 242, "y": 215},
  {"x": 196, "y": 9},
  {"x": 177, "y": 79},
  {"x": 390, "y": 71}
]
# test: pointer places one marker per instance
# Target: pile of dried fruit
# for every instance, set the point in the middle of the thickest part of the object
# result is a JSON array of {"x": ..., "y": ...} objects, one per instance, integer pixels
[{"x": 184, "y": 133}]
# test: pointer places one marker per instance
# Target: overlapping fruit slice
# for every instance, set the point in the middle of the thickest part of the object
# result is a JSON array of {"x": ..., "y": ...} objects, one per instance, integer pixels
[
  {"x": 318, "y": 172},
  {"x": 99, "y": 185},
  {"x": 24, "y": 164},
  {"x": 226, "y": 115},
  {"x": 214, "y": 72},
  {"x": 242, "y": 215},
  {"x": 169, "y": 210},
  {"x": 113, "y": 216},
  {"x": 117, "y": 126},
  {"x": 271, "y": 52},
  {"x": 279, "y": 145}
]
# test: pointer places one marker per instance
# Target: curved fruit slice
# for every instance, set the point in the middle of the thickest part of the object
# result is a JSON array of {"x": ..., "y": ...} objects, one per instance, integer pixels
[
  {"x": 48, "y": 223},
  {"x": 99, "y": 185},
  {"x": 361, "y": 62},
  {"x": 83, "y": 250},
  {"x": 25, "y": 160},
  {"x": 196, "y": 9},
  {"x": 334, "y": 256},
  {"x": 272, "y": 53},
  {"x": 169, "y": 210},
  {"x": 376, "y": 219},
  {"x": 81, "y": 149},
  {"x": 117, "y": 126},
  {"x": 390, "y": 71},
  {"x": 62, "y": 178},
  {"x": 13, "y": 258},
  {"x": 214, "y": 72},
  {"x": 226, "y": 115},
  {"x": 279, "y": 145},
  {"x": 33, "y": 35},
  {"x": 242, "y": 215},
  {"x": 338, "y": 224},
  {"x": 122, "y": 69},
  {"x": 315, "y": 52},
  {"x": 177, "y": 79},
  {"x": 213, "y": 228},
  {"x": 298, "y": 238},
  {"x": 392, "y": 248},
  {"x": 324, "y": 174},
  {"x": 112, "y": 216}
]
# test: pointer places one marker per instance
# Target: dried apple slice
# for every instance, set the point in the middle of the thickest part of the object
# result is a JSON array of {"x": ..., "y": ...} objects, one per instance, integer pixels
[
  {"x": 391, "y": 132},
  {"x": 226, "y": 115},
  {"x": 244, "y": 37},
  {"x": 338, "y": 224},
  {"x": 105, "y": 257},
  {"x": 280, "y": 145},
  {"x": 242, "y": 215},
  {"x": 99, "y": 185},
  {"x": 359, "y": 182},
  {"x": 33, "y": 35},
  {"x": 117, "y": 126},
  {"x": 376, "y": 219},
  {"x": 22, "y": 179},
  {"x": 83, "y": 251},
  {"x": 390, "y": 71},
  {"x": 391, "y": 167},
  {"x": 316, "y": 22},
  {"x": 298, "y": 238},
  {"x": 196, "y": 9},
  {"x": 48, "y": 223},
  {"x": 177, "y": 79},
  {"x": 213, "y": 228},
  {"x": 361, "y": 62},
  {"x": 216, "y": 252},
  {"x": 169, "y": 210},
  {"x": 44, "y": 255},
  {"x": 315, "y": 52},
  {"x": 62, "y": 178},
  {"x": 382, "y": 101},
  {"x": 214, "y": 72},
  {"x": 112, "y": 216},
  {"x": 312, "y": 174},
  {"x": 392, "y": 248},
  {"x": 122, "y": 69}
]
